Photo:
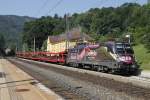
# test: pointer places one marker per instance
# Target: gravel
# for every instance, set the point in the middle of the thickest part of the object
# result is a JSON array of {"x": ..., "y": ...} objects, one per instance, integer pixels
[{"x": 80, "y": 86}]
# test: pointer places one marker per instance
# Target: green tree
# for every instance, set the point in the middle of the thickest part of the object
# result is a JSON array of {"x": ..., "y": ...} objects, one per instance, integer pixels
[
  {"x": 44, "y": 46},
  {"x": 2, "y": 42},
  {"x": 101, "y": 24}
]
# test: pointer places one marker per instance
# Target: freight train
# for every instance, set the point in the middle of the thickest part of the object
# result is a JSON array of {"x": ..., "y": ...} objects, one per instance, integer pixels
[{"x": 107, "y": 57}]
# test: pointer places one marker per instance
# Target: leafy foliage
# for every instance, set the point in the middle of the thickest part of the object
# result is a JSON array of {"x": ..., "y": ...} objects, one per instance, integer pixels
[
  {"x": 102, "y": 24},
  {"x": 2, "y": 42},
  {"x": 11, "y": 27},
  {"x": 40, "y": 29}
]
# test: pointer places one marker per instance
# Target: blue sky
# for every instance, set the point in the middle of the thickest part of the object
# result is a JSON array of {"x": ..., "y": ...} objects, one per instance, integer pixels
[{"x": 37, "y": 8}]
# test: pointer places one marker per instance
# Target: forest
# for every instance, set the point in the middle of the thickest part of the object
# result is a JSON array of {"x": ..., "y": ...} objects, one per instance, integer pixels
[
  {"x": 100, "y": 23},
  {"x": 11, "y": 27}
]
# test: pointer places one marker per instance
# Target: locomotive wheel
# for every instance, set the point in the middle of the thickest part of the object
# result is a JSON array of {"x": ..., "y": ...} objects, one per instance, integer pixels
[
  {"x": 80, "y": 65},
  {"x": 105, "y": 69},
  {"x": 70, "y": 64},
  {"x": 112, "y": 71},
  {"x": 94, "y": 68},
  {"x": 74, "y": 65},
  {"x": 99, "y": 68}
]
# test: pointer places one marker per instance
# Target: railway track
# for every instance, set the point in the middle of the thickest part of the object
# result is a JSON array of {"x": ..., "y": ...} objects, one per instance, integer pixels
[
  {"x": 53, "y": 85},
  {"x": 76, "y": 85},
  {"x": 141, "y": 78}
]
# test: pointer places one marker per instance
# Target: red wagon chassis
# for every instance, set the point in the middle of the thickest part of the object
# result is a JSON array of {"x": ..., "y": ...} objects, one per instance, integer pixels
[{"x": 44, "y": 56}]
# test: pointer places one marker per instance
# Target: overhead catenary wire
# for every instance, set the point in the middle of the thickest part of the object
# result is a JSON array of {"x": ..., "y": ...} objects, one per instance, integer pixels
[
  {"x": 53, "y": 7},
  {"x": 36, "y": 14},
  {"x": 44, "y": 4}
]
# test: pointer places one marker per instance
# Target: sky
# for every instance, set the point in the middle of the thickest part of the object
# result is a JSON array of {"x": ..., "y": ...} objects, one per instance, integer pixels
[{"x": 38, "y": 8}]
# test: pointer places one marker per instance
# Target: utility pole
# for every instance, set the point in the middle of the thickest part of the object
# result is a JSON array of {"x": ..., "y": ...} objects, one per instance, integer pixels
[
  {"x": 67, "y": 22},
  {"x": 67, "y": 31},
  {"x": 16, "y": 47},
  {"x": 34, "y": 45}
]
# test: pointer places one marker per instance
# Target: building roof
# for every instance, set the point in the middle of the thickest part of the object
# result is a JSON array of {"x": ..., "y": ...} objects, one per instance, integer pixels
[{"x": 70, "y": 36}]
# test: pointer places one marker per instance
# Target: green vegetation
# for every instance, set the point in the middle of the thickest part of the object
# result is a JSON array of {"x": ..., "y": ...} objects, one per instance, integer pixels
[
  {"x": 143, "y": 56},
  {"x": 11, "y": 27},
  {"x": 2, "y": 42},
  {"x": 102, "y": 24},
  {"x": 40, "y": 29}
]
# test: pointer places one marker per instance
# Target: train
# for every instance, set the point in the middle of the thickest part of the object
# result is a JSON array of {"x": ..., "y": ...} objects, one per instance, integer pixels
[{"x": 110, "y": 57}]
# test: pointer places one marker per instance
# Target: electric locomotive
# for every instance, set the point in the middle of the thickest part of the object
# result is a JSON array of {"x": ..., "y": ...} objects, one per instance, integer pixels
[{"x": 108, "y": 57}]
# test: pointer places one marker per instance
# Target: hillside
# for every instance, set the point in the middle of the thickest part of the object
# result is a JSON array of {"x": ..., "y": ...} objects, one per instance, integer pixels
[
  {"x": 11, "y": 27},
  {"x": 103, "y": 24},
  {"x": 142, "y": 56}
]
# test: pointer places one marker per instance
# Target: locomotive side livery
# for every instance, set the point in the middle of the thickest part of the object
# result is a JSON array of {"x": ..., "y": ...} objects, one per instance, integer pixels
[{"x": 110, "y": 57}]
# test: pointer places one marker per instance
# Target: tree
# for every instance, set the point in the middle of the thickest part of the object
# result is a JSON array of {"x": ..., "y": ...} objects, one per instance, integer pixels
[
  {"x": 101, "y": 24},
  {"x": 44, "y": 46},
  {"x": 25, "y": 47},
  {"x": 2, "y": 42}
]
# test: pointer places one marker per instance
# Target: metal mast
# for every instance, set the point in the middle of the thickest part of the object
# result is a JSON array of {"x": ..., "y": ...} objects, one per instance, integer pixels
[
  {"x": 34, "y": 45},
  {"x": 67, "y": 31}
]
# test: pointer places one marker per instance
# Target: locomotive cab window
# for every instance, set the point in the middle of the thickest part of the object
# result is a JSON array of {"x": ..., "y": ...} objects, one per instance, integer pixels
[{"x": 124, "y": 48}]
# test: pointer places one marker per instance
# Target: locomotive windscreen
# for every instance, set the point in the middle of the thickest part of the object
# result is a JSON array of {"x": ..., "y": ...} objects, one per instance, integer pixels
[{"x": 122, "y": 48}]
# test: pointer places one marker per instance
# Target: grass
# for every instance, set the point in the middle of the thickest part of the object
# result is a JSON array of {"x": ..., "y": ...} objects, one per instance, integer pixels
[{"x": 142, "y": 56}]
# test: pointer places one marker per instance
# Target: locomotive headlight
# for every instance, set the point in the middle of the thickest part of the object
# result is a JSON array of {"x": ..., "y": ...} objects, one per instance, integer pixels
[
  {"x": 122, "y": 58},
  {"x": 133, "y": 66},
  {"x": 125, "y": 58}
]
